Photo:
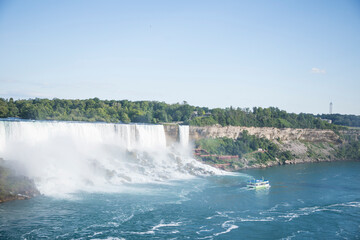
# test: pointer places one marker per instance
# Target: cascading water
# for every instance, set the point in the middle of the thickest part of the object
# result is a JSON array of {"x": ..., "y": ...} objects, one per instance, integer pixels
[
  {"x": 184, "y": 135},
  {"x": 64, "y": 157}
]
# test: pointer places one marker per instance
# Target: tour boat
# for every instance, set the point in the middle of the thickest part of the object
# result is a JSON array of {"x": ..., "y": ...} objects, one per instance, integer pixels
[{"x": 258, "y": 183}]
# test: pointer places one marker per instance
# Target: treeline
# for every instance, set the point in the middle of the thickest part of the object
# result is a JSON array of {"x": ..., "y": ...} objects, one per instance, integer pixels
[
  {"x": 155, "y": 112},
  {"x": 98, "y": 110},
  {"x": 344, "y": 120},
  {"x": 262, "y": 117},
  {"x": 262, "y": 149}
]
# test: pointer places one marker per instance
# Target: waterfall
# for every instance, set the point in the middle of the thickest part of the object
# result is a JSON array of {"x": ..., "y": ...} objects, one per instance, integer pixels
[
  {"x": 184, "y": 135},
  {"x": 64, "y": 157}
]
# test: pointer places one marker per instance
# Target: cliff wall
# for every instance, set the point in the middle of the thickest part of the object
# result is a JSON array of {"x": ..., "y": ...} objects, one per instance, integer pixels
[
  {"x": 283, "y": 134},
  {"x": 353, "y": 133},
  {"x": 171, "y": 133},
  {"x": 305, "y": 145}
]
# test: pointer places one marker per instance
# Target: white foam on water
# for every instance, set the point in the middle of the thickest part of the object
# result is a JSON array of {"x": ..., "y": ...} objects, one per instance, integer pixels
[
  {"x": 229, "y": 226},
  {"x": 96, "y": 233},
  {"x": 295, "y": 234},
  {"x": 202, "y": 230},
  {"x": 158, "y": 226},
  {"x": 66, "y": 157},
  {"x": 221, "y": 214},
  {"x": 255, "y": 219},
  {"x": 276, "y": 207},
  {"x": 348, "y": 204},
  {"x": 161, "y": 225},
  {"x": 108, "y": 238},
  {"x": 307, "y": 211}
]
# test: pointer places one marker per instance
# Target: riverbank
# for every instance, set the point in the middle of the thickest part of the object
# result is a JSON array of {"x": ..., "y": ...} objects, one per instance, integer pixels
[
  {"x": 267, "y": 147},
  {"x": 248, "y": 161}
]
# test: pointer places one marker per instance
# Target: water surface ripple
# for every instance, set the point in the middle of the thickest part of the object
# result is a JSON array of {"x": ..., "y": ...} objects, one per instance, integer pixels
[{"x": 307, "y": 201}]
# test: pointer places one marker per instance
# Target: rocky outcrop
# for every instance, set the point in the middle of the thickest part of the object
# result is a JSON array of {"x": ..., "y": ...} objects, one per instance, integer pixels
[
  {"x": 171, "y": 133},
  {"x": 14, "y": 186},
  {"x": 309, "y": 151},
  {"x": 280, "y": 134},
  {"x": 305, "y": 145}
]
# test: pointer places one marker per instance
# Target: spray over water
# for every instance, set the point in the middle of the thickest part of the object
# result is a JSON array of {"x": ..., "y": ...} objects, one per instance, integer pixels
[{"x": 65, "y": 157}]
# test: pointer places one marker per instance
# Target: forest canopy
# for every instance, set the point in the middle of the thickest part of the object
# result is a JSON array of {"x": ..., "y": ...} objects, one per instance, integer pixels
[
  {"x": 125, "y": 111},
  {"x": 344, "y": 120}
]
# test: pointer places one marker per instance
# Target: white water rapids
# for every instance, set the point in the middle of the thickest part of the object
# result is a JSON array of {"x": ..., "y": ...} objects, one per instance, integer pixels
[{"x": 64, "y": 157}]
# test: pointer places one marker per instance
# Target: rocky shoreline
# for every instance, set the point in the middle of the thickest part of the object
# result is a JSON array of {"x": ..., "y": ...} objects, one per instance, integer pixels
[
  {"x": 14, "y": 186},
  {"x": 12, "y": 197},
  {"x": 234, "y": 168}
]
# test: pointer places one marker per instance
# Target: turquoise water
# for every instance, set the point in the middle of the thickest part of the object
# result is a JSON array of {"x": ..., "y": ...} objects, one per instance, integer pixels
[{"x": 306, "y": 201}]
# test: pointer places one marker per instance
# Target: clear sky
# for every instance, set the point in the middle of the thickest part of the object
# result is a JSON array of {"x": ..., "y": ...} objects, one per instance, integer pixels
[{"x": 295, "y": 55}]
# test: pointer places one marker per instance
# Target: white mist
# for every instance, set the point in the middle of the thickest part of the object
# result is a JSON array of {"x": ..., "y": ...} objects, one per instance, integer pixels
[{"x": 65, "y": 157}]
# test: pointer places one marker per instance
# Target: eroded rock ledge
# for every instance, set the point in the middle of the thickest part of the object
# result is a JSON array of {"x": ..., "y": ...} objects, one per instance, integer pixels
[{"x": 280, "y": 134}]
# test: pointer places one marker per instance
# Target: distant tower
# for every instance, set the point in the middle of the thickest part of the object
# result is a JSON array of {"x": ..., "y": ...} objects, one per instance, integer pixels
[{"x": 330, "y": 110}]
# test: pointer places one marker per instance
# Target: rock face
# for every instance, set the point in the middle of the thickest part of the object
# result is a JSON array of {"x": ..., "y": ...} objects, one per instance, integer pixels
[
  {"x": 171, "y": 133},
  {"x": 15, "y": 187},
  {"x": 305, "y": 145},
  {"x": 352, "y": 133},
  {"x": 283, "y": 134}
]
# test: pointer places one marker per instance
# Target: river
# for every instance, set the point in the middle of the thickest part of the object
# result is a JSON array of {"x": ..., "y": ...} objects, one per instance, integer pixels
[{"x": 305, "y": 201}]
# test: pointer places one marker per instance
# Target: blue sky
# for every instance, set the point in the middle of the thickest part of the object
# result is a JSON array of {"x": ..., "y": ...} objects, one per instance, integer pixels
[{"x": 295, "y": 55}]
